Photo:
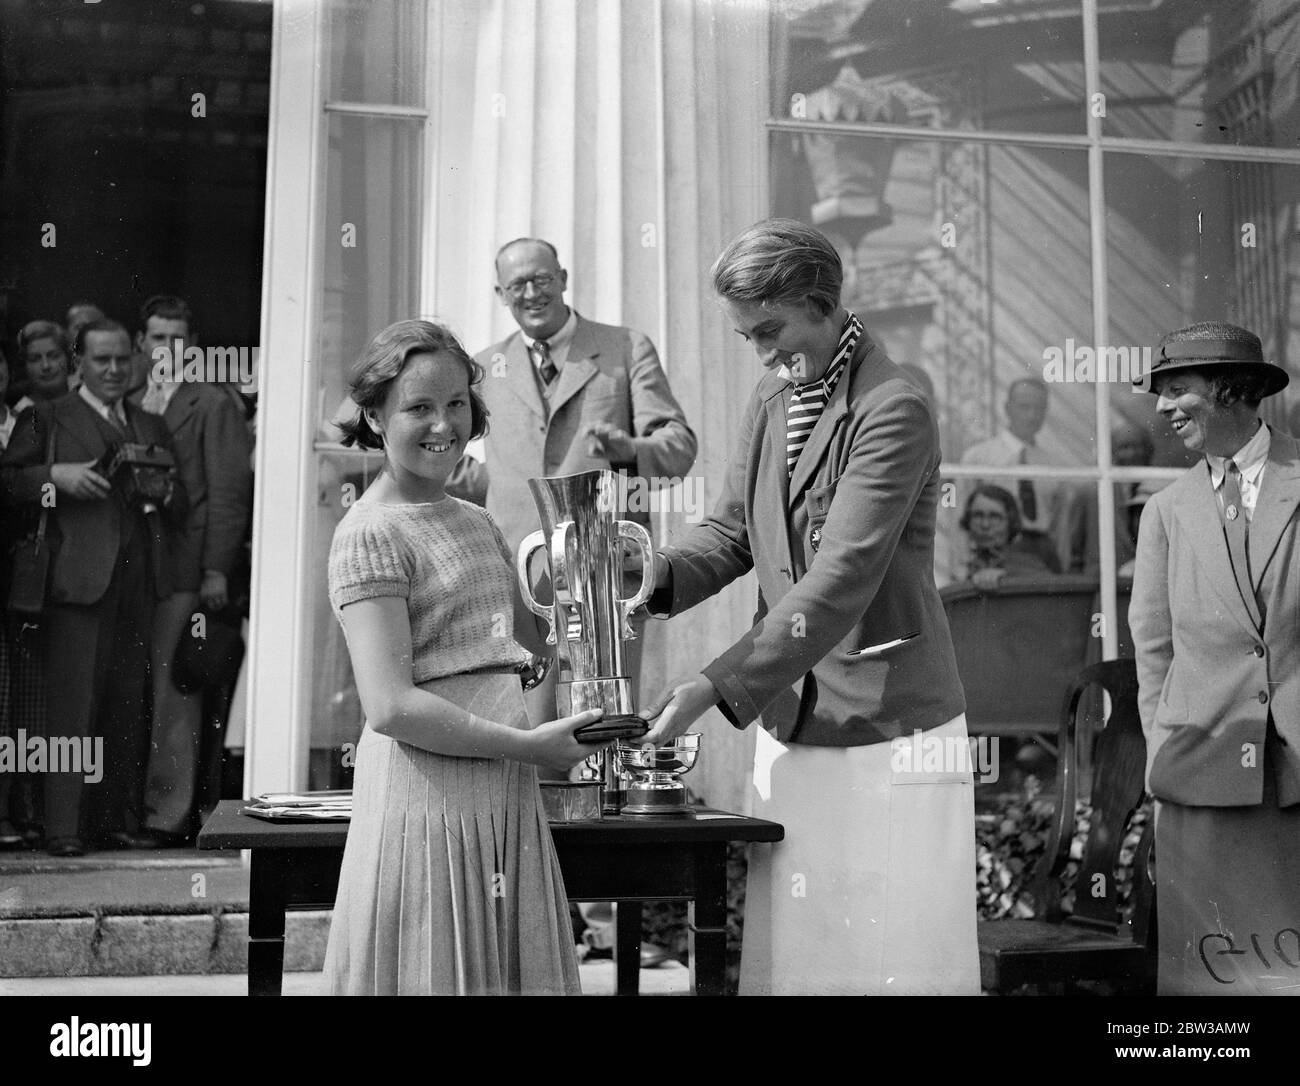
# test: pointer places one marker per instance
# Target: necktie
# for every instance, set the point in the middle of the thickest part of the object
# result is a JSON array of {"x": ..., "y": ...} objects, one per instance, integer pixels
[
  {"x": 541, "y": 351},
  {"x": 1025, "y": 491},
  {"x": 154, "y": 401},
  {"x": 1236, "y": 531},
  {"x": 116, "y": 418}
]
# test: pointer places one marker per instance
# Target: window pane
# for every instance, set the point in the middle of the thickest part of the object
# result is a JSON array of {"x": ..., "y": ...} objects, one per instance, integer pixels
[
  {"x": 1192, "y": 240},
  {"x": 1213, "y": 71},
  {"x": 336, "y": 716},
  {"x": 369, "y": 278},
  {"x": 933, "y": 63},
  {"x": 970, "y": 263},
  {"x": 360, "y": 33},
  {"x": 370, "y": 238}
]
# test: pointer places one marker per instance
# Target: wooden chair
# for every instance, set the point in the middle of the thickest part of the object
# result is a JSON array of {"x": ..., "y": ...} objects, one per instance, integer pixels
[
  {"x": 1018, "y": 646},
  {"x": 1091, "y": 943}
]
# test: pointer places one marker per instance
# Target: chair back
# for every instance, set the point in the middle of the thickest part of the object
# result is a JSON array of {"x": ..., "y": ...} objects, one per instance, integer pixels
[
  {"x": 1118, "y": 786},
  {"x": 1018, "y": 646}
]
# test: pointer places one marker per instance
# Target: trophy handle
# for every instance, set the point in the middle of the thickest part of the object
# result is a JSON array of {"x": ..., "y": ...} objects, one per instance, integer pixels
[
  {"x": 632, "y": 531},
  {"x": 533, "y": 543}
]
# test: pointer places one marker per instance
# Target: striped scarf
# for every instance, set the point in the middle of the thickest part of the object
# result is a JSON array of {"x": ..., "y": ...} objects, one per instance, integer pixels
[{"x": 809, "y": 401}]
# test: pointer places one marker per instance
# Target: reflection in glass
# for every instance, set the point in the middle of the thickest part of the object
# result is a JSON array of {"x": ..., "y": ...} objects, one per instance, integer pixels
[
  {"x": 360, "y": 33},
  {"x": 982, "y": 268},
  {"x": 981, "y": 272},
  {"x": 931, "y": 63},
  {"x": 370, "y": 238},
  {"x": 1191, "y": 240},
  {"x": 336, "y": 717},
  {"x": 1211, "y": 71}
]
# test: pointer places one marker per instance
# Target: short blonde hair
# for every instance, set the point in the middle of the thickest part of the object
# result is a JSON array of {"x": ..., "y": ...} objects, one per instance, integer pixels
[{"x": 780, "y": 260}]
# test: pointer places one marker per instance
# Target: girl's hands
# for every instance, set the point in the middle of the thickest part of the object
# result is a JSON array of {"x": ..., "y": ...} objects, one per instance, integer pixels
[{"x": 552, "y": 746}]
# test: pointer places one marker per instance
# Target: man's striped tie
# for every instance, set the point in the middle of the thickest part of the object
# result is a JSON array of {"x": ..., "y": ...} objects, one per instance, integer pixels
[{"x": 807, "y": 402}]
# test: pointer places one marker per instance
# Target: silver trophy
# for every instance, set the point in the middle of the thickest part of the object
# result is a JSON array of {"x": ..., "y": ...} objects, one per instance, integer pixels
[{"x": 589, "y": 618}]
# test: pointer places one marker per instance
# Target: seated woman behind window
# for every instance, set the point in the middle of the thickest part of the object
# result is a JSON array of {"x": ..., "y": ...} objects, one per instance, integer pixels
[{"x": 992, "y": 522}]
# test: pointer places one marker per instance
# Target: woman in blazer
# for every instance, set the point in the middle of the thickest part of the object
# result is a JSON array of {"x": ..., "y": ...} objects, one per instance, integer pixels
[
  {"x": 1216, "y": 624},
  {"x": 830, "y": 498}
]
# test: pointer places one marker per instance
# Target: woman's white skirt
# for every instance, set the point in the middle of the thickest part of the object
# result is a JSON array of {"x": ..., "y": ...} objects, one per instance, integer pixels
[{"x": 872, "y": 892}]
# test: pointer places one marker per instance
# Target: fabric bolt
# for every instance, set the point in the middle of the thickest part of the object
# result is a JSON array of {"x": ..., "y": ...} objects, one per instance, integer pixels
[
  {"x": 450, "y": 883},
  {"x": 842, "y": 906}
]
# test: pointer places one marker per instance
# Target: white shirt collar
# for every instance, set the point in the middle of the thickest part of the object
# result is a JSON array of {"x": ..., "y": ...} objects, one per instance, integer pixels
[
  {"x": 1014, "y": 443},
  {"x": 1250, "y": 458},
  {"x": 166, "y": 388},
  {"x": 559, "y": 343},
  {"x": 117, "y": 411}
]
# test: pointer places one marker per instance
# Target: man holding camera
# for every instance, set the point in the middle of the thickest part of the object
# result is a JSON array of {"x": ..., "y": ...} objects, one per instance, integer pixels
[{"x": 109, "y": 539}]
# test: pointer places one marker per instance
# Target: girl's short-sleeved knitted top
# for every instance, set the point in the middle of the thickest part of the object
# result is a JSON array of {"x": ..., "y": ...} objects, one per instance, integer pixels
[{"x": 450, "y": 563}]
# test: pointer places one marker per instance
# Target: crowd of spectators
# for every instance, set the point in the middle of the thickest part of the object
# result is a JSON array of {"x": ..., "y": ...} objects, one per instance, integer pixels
[{"x": 133, "y": 573}]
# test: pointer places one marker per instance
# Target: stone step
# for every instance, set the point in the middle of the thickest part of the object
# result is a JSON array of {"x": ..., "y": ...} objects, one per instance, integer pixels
[
  {"x": 150, "y": 944},
  {"x": 169, "y": 912}
]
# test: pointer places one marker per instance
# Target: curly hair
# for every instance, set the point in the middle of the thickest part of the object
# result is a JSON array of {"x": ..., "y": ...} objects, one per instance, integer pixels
[
  {"x": 1004, "y": 498},
  {"x": 382, "y": 362}
]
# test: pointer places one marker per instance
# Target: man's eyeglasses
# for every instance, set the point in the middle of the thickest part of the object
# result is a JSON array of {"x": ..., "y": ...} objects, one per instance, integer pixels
[
  {"x": 982, "y": 515},
  {"x": 517, "y": 287}
]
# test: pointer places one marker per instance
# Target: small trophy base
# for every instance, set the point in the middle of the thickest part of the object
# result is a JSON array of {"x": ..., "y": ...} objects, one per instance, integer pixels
[{"x": 657, "y": 802}]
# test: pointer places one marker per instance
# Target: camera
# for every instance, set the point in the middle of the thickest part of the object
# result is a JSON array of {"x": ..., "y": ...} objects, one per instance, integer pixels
[{"x": 141, "y": 475}]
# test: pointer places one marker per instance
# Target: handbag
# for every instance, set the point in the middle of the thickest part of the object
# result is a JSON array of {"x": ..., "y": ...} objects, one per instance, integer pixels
[
  {"x": 210, "y": 661},
  {"x": 31, "y": 565}
]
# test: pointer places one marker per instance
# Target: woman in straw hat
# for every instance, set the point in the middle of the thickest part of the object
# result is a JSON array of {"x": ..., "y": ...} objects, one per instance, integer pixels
[{"x": 1216, "y": 625}]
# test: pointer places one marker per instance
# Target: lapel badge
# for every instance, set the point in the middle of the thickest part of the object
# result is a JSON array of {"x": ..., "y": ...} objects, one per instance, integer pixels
[
  {"x": 815, "y": 538},
  {"x": 1231, "y": 512}
]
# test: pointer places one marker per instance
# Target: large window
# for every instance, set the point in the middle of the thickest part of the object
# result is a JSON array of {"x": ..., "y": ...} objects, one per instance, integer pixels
[{"x": 1027, "y": 194}]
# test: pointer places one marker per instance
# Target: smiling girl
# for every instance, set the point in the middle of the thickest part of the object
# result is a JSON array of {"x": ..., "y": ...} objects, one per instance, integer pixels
[{"x": 450, "y": 883}]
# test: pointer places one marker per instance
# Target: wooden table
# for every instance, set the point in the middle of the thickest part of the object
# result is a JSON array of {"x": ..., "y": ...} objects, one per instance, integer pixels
[{"x": 619, "y": 858}]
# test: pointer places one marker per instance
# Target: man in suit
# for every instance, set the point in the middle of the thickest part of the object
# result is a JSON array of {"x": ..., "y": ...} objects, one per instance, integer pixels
[
  {"x": 568, "y": 395},
  {"x": 1043, "y": 502},
  {"x": 109, "y": 567},
  {"x": 1216, "y": 627},
  {"x": 830, "y": 497},
  {"x": 212, "y": 455}
]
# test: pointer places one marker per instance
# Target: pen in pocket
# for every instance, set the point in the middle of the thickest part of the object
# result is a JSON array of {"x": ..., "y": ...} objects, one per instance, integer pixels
[{"x": 874, "y": 650}]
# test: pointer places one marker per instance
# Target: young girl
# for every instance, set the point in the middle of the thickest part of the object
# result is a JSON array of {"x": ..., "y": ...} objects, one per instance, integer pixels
[{"x": 450, "y": 884}]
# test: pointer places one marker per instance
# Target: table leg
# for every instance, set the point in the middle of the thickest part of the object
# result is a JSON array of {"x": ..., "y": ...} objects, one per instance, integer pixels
[
  {"x": 266, "y": 923},
  {"x": 627, "y": 947},
  {"x": 707, "y": 921}
]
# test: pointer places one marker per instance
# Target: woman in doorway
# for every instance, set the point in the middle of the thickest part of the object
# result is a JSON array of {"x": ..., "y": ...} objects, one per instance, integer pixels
[{"x": 450, "y": 883}]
